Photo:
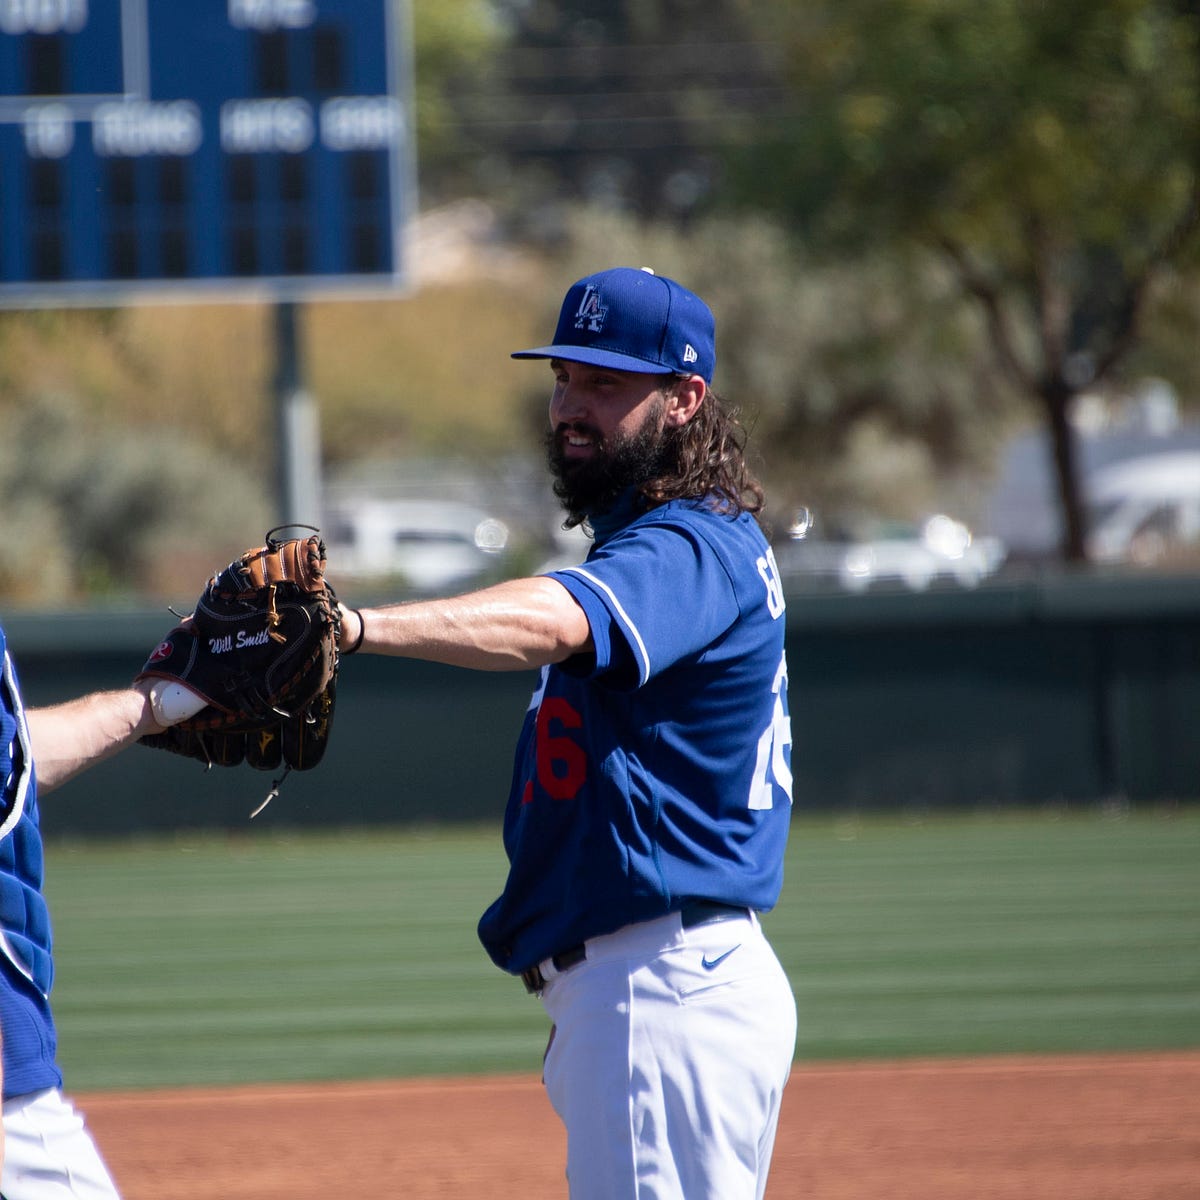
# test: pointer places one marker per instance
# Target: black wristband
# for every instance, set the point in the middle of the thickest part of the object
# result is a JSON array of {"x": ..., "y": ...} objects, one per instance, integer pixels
[{"x": 362, "y": 629}]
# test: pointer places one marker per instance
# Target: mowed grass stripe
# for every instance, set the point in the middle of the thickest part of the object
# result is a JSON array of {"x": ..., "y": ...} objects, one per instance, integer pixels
[
  {"x": 267, "y": 956},
  {"x": 205, "y": 960},
  {"x": 994, "y": 934}
]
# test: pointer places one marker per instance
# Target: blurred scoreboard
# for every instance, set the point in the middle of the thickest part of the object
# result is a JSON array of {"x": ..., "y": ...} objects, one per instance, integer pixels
[{"x": 201, "y": 145}]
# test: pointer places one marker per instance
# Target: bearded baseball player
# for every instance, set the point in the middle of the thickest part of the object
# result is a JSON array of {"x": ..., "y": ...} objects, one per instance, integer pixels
[{"x": 650, "y": 797}]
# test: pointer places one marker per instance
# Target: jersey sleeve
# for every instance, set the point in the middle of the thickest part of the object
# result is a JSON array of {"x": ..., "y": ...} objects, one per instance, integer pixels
[{"x": 654, "y": 595}]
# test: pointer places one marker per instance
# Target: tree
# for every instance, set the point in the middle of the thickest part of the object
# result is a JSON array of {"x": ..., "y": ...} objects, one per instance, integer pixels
[
  {"x": 628, "y": 104},
  {"x": 1048, "y": 152},
  {"x": 451, "y": 39}
]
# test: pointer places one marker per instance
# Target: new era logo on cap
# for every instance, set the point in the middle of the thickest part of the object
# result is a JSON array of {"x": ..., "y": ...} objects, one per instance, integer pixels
[{"x": 633, "y": 320}]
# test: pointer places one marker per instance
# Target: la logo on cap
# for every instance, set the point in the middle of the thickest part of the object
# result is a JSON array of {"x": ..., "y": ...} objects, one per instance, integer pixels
[{"x": 591, "y": 313}]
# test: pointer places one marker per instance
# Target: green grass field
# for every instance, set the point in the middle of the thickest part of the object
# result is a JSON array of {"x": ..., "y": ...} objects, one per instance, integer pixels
[{"x": 213, "y": 960}]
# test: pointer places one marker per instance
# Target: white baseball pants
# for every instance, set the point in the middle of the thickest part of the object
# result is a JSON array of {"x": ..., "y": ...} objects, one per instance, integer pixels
[
  {"x": 668, "y": 1059},
  {"x": 49, "y": 1153}
]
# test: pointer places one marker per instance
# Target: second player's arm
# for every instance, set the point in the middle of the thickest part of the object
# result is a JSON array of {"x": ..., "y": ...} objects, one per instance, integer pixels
[
  {"x": 68, "y": 738},
  {"x": 519, "y": 624}
]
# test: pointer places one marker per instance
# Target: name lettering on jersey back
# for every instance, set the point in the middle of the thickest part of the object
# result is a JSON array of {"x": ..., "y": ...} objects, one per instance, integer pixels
[{"x": 769, "y": 572}]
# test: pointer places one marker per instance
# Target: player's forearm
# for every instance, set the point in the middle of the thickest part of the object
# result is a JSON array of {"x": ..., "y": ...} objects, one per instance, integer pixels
[
  {"x": 68, "y": 738},
  {"x": 516, "y": 625}
]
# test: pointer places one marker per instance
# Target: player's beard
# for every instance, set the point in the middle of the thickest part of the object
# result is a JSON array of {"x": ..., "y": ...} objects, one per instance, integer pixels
[{"x": 590, "y": 486}]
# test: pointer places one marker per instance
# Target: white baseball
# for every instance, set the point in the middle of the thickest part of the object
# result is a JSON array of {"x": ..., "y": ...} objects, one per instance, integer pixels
[{"x": 173, "y": 702}]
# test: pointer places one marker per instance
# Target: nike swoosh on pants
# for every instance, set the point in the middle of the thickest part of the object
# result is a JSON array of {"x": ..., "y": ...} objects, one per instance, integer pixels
[{"x": 710, "y": 964}]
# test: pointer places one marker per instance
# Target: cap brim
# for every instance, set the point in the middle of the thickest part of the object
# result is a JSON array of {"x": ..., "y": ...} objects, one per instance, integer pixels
[{"x": 595, "y": 357}]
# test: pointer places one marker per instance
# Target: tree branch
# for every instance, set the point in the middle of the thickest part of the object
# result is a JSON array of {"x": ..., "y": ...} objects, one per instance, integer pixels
[
  {"x": 1053, "y": 302},
  {"x": 976, "y": 284},
  {"x": 1126, "y": 331}
]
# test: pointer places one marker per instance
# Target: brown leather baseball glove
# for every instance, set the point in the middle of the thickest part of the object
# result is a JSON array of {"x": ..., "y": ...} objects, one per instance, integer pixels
[{"x": 261, "y": 651}]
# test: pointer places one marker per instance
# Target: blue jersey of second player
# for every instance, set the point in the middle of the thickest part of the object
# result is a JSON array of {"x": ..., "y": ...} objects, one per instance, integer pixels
[
  {"x": 26, "y": 965},
  {"x": 658, "y": 769}
]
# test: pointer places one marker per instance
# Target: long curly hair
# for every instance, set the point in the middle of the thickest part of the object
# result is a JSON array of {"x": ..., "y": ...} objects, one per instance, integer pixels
[{"x": 706, "y": 457}]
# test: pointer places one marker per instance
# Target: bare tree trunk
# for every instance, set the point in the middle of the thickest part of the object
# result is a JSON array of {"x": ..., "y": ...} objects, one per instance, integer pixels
[{"x": 1056, "y": 397}]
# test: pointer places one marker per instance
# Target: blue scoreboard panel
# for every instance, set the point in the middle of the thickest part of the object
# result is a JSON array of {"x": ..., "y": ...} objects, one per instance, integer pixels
[{"x": 200, "y": 145}]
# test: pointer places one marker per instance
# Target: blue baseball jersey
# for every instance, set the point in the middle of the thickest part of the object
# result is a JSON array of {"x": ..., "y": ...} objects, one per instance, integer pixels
[
  {"x": 26, "y": 965},
  {"x": 656, "y": 770}
]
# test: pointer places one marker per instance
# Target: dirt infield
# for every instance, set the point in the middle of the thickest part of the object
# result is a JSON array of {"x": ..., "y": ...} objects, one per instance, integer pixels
[{"x": 1119, "y": 1127}]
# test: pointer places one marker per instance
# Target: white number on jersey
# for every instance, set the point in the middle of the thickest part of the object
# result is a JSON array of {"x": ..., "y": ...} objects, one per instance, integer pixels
[{"x": 773, "y": 765}]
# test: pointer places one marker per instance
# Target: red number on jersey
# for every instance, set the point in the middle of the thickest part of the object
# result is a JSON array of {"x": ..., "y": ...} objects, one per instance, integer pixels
[{"x": 561, "y": 762}]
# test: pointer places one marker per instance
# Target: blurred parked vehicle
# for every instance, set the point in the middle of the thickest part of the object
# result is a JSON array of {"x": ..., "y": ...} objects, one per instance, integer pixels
[
  {"x": 938, "y": 550},
  {"x": 1121, "y": 466},
  {"x": 1146, "y": 510},
  {"x": 427, "y": 545}
]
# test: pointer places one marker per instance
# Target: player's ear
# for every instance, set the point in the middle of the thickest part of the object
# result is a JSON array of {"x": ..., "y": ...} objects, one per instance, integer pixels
[{"x": 684, "y": 399}]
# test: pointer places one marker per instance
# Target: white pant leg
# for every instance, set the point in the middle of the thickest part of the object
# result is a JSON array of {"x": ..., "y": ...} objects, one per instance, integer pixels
[
  {"x": 667, "y": 1073},
  {"x": 49, "y": 1153}
]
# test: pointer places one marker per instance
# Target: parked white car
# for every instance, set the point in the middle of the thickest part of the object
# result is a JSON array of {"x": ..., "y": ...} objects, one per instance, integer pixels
[
  {"x": 939, "y": 549},
  {"x": 1145, "y": 510},
  {"x": 427, "y": 544}
]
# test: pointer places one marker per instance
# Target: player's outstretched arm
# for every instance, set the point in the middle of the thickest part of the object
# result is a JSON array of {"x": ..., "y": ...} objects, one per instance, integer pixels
[
  {"x": 512, "y": 626},
  {"x": 68, "y": 738}
]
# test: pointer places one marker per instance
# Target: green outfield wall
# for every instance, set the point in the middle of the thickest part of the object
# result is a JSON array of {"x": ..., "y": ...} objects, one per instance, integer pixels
[{"x": 1047, "y": 691}]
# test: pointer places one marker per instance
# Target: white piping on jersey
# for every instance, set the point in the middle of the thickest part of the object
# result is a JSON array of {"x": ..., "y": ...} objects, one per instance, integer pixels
[
  {"x": 19, "y": 792},
  {"x": 14, "y": 958},
  {"x": 538, "y": 692},
  {"x": 22, "y": 736},
  {"x": 630, "y": 627}
]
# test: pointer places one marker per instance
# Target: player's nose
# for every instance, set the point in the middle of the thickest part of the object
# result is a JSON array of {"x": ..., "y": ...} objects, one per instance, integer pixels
[{"x": 568, "y": 403}]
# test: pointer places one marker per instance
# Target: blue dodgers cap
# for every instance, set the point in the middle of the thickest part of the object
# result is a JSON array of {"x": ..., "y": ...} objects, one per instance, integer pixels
[{"x": 633, "y": 320}]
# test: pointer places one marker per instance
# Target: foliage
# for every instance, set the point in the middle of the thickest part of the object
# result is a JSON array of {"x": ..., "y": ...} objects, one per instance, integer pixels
[
  {"x": 1048, "y": 151},
  {"x": 937, "y": 117},
  {"x": 626, "y": 105},
  {"x": 1166, "y": 346},
  {"x": 451, "y": 39},
  {"x": 103, "y": 511},
  {"x": 128, "y": 429},
  {"x": 428, "y": 374},
  {"x": 865, "y": 385}
]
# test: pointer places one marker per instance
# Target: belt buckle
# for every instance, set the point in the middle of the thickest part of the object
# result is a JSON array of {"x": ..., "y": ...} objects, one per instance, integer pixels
[{"x": 534, "y": 980}]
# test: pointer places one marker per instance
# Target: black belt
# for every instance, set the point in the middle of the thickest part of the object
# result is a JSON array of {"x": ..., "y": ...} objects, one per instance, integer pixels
[{"x": 699, "y": 912}]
